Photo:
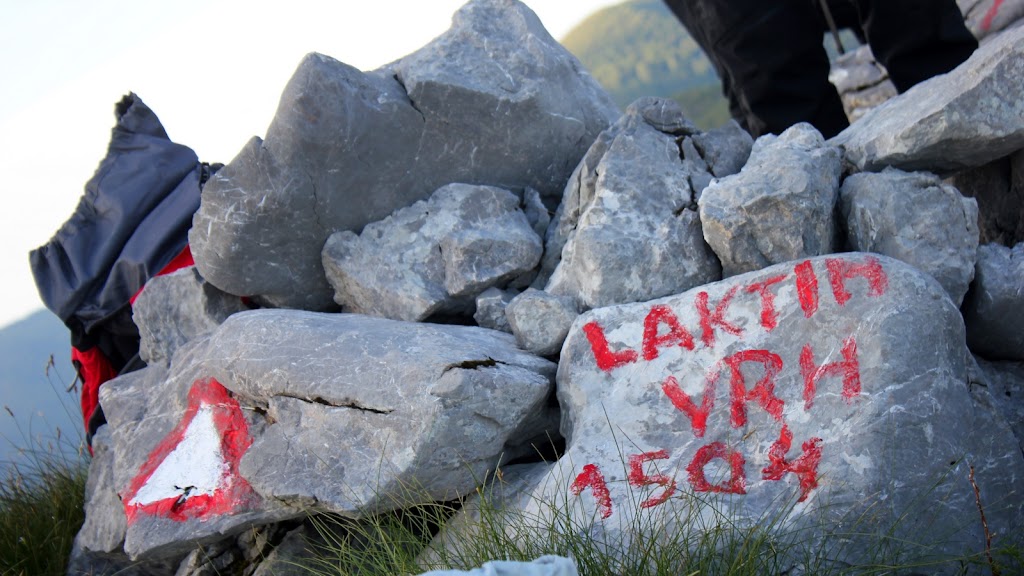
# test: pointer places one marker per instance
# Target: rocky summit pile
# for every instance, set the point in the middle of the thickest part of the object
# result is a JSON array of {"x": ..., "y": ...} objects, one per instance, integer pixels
[{"x": 469, "y": 264}]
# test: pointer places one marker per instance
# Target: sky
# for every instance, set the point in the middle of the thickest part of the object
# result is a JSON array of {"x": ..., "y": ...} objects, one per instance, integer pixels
[{"x": 212, "y": 71}]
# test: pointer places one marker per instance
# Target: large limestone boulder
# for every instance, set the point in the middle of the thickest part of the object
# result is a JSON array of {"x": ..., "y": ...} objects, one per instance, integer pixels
[
  {"x": 495, "y": 100},
  {"x": 830, "y": 395},
  {"x": 627, "y": 229},
  {"x": 967, "y": 117},
  {"x": 279, "y": 413},
  {"x": 780, "y": 207}
]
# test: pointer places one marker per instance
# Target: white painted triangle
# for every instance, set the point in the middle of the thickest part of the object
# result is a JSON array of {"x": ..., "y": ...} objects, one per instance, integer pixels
[{"x": 196, "y": 466}]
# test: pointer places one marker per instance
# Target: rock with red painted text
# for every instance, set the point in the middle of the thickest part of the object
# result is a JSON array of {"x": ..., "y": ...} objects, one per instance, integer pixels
[
  {"x": 994, "y": 308},
  {"x": 494, "y": 100},
  {"x": 541, "y": 321},
  {"x": 828, "y": 394},
  {"x": 433, "y": 257},
  {"x": 627, "y": 229},
  {"x": 177, "y": 436},
  {"x": 365, "y": 413},
  {"x": 965, "y": 118},
  {"x": 987, "y": 17},
  {"x": 780, "y": 207},
  {"x": 916, "y": 218},
  {"x": 175, "y": 308}
]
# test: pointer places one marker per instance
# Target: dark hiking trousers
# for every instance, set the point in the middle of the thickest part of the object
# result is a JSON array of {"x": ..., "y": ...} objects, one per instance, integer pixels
[{"x": 773, "y": 66}]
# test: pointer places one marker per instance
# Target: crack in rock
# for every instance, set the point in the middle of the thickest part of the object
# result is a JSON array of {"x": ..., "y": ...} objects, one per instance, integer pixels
[{"x": 349, "y": 404}]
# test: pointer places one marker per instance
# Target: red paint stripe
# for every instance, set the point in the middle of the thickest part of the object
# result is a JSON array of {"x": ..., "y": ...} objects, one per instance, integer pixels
[
  {"x": 234, "y": 492},
  {"x": 986, "y": 23}
]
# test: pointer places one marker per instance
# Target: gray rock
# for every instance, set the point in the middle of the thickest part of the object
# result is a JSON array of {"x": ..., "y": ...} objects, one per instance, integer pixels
[
  {"x": 967, "y": 117},
  {"x": 986, "y": 17},
  {"x": 1004, "y": 381},
  {"x": 543, "y": 566},
  {"x": 724, "y": 149},
  {"x": 862, "y": 82},
  {"x": 177, "y": 437},
  {"x": 998, "y": 188},
  {"x": 830, "y": 395},
  {"x": 104, "y": 527},
  {"x": 494, "y": 507},
  {"x": 490, "y": 309},
  {"x": 627, "y": 229},
  {"x": 780, "y": 207},
  {"x": 994, "y": 308},
  {"x": 435, "y": 256},
  {"x": 541, "y": 321},
  {"x": 175, "y": 308},
  {"x": 367, "y": 413},
  {"x": 915, "y": 218},
  {"x": 212, "y": 560},
  {"x": 495, "y": 100},
  {"x": 290, "y": 557}
]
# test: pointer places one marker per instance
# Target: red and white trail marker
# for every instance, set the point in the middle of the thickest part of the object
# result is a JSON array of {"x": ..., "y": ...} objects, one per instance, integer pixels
[{"x": 193, "y": 471}]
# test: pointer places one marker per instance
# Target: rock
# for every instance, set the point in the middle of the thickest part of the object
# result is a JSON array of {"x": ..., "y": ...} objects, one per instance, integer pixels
[
  {"x": 779, "y": 207},
  {"x": 724, "y": 149},
  {"x": 177, "y": 436},
  {"x": 289, "y": 557},
  {"x": 347, "y": 148},
  {"x": 986, "y": 17},
  {"x": 994, "y": 308},
  {"x": 999, "y": 189},
  {"x": 830, "y": 394},
  {"x": 1004, "y": 381},
  {"x": 543, "y": 566},
  {"x": 104, "y": 526},
  {"x": 967, "y": 117},
  {"x": 367, "y": 413},
  {"x": 175, "y": 308},
  {"x": 490, "y": 309},
  {"x": 435, "y": 256},
  {"x": 97, "y": 548},
  {"x": 915, "y": 218},
  {"x": 493, "y": 508},
  {"x": 541, "y": 321},
  {"x": 208, "y": 561},
  {"x": 861, "y": 81},
  {"x": 627, "y": 229}
]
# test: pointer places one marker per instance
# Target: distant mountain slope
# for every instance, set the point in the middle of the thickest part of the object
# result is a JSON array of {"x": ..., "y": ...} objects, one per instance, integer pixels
[
  {"x": 638, "y": 48},
  {"x": 39, "y": 403}
]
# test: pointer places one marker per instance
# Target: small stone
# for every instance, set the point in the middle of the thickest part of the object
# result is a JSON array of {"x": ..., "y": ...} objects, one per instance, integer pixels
[
  {"x": 915, "y": 218},
  {"x": 490, "y": 309},
  {"x": 541, "y": 321}
]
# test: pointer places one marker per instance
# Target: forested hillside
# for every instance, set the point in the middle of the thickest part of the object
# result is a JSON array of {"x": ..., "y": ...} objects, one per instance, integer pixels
[{"x": 638, "y": 48}]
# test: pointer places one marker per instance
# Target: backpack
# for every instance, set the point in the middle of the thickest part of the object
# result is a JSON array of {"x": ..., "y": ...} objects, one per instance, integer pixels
[{"x": 130, "y": 225}]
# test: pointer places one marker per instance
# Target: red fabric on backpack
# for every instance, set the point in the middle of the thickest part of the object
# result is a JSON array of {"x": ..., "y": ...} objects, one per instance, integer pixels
[{"x": 93, "y": 369}]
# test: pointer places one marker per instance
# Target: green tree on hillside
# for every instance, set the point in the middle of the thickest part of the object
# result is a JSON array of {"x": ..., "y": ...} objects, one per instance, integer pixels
[{"x": 638, "y": 48}]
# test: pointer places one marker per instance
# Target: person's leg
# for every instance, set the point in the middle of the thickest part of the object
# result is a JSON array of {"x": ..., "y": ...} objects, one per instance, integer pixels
[
  {"x": 916, "y": 39},
  {"x": 771, "y": 58}
]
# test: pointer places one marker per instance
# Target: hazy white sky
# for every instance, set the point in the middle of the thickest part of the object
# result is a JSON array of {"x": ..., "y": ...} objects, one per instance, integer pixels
[{"x": 212, "y": 71}]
